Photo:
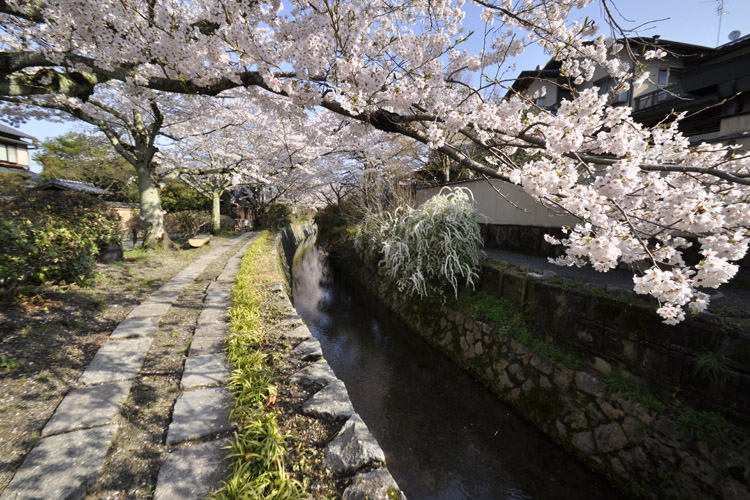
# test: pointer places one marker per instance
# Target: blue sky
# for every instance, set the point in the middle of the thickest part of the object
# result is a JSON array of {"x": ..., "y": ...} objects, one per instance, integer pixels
[{"x": 689, "y": 21}]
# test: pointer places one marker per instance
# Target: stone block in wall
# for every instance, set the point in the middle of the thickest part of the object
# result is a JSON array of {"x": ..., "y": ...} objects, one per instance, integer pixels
[
  {"x": 667, "y": 432},
  {"x": 589, "y": 384},
  {"x": 634, "y": 409},
  {"x": 576, "y": 419},
  {"x": 594, "y": 415},
  {"x": 584, "y": 442},
  {"x": 609, "y": 438},
  {"x": 562, "y": 376},
  {"x": 503, "y": 381},
  {"x": 602, "y": 366},
  {"x": 610, "y": 411},
  {"x": 489, "y": 280},
  {"x": 513, "y": 288},
  {"x": 516, "y": 371},
  {"x": 634, "y": 429},
  {"x": 542, "y": 364}
]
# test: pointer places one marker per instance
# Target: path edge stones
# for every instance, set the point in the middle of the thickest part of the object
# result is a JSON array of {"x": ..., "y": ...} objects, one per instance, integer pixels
[{"x": 354, "y": 451}]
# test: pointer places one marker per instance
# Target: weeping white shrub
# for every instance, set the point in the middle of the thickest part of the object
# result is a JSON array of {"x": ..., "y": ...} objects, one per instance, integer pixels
[
  {"x": 425, "y": 247},
  {"x": 370, "y": 234}
]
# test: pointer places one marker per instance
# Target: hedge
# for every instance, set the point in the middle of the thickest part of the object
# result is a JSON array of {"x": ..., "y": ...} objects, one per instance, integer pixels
[{"x": 52, "y": 237}]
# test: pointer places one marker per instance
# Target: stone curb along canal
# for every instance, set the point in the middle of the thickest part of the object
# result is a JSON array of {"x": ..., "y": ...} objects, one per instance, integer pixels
[{"x": 354, "y": 451}]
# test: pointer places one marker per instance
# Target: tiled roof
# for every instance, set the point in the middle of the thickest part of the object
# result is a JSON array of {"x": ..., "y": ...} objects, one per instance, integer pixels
[
  {"x": 4, "y": 129},
  {"x": 66, "y": 184}
]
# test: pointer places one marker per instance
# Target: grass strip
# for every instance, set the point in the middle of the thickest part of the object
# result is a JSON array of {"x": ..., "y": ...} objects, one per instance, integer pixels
[{"x": 258, "y": 448}]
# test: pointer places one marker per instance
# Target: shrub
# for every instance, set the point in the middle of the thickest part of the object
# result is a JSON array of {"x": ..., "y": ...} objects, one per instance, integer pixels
[
  {"x": 177, "y": 196},
  {"x": 226, "y": 223},
  {"x": 187, "y": 222},
  {"x": 13, "y": 184},
  {"x": 427, "y": 247},
  {"x": 332, "y": 222},
  {"x": 52, "y": 237},
  {"x": 277, "y": 216}
]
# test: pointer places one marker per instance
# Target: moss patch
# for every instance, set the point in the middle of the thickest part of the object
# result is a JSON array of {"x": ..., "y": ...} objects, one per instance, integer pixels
[{"x": 511, "y": 322}]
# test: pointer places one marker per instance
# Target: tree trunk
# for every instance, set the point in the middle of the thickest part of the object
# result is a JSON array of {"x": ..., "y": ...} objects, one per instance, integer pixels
[
  {"x": 215, "y": 211},
  {"x": 151, "y": 211}
]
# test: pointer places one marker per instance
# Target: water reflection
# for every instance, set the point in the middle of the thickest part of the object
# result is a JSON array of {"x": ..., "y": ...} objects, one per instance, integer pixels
[{"x": 444, "y": 435}]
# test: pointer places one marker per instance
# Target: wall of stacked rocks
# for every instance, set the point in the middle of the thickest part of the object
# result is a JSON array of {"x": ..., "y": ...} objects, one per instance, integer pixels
[{"x": 645, "y": 452}]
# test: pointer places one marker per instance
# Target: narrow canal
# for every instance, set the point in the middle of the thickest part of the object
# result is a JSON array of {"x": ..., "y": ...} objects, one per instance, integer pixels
[{"x": 445, "y": 436}]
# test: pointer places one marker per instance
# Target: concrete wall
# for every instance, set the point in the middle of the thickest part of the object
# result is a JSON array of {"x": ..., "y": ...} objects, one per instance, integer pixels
[{"x": 513, "y": 207}]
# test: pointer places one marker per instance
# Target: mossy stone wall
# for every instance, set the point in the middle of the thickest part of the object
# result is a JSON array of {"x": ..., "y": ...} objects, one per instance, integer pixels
[
  {"x": 618, "y": 330},
  {"x": 645, "y": 452}
]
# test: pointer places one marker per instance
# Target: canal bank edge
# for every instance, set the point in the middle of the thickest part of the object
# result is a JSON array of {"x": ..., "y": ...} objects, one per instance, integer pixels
[
  {"x": 645, "y": 452},
  {"x": 354, "y": 452}
]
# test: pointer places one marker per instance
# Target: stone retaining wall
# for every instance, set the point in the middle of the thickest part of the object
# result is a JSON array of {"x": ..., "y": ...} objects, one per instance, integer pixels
[
  {"x": 612, "y": 329},
  {"x": 643, "y": 452},
  {"x": 286, "y": 245}
]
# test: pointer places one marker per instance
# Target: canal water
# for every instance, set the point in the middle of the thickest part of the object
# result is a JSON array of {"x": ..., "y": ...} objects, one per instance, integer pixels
[{"x": 444, "y": 435}]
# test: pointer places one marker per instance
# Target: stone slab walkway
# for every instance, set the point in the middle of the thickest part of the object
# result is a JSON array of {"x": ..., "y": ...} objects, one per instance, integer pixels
[
  {"x": 186, "y": 473},
  {"x": 62, "y": 466},
  {"x": 77, "y": 437},
  {"x": 201, "y": 414}
]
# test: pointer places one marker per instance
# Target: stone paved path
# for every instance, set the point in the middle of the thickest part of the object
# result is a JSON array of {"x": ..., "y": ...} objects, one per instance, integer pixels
[{"x": 68, "y": 457}]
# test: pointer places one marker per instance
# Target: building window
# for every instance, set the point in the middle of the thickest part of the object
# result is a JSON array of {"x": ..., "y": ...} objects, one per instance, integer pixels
[
  {"x": 8, "y": 153},
  {"x": 665, "y": 75},
  {"x": 736, "y": 105},
  {"x": 613, "y": 88}
]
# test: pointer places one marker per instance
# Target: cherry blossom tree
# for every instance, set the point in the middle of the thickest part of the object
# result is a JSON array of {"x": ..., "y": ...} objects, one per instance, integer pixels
[
  {"x": 132, "y": 119},
  {"x": 209, "y": 171},
  {"x": 401, "y": 67}
]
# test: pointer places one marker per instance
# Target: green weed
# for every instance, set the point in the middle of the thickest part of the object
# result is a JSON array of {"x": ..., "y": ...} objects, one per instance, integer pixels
[
  {"x": 710, "y": 366},
  {"x": 8, "y": 364},
  {"x": 623, "y": 385},
  {"x": 704, "y": 425},
  {"x": 502, "y": 312},
  {"x": 258, "y": 450}
]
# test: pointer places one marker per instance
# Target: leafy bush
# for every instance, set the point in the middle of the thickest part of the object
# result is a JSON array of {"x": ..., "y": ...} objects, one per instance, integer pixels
[
  {"x": 332, "y": 222},
  {"x": 52, "y": 237},
  {"x": 427, "y": 247},
  {"x": 187, "y": 222},
  {"x": 177, "y": 196},
  {"x": 13, "y": 184},
  {"x": 226, "y": 223},
  {"x": 277, "y": 216}
]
